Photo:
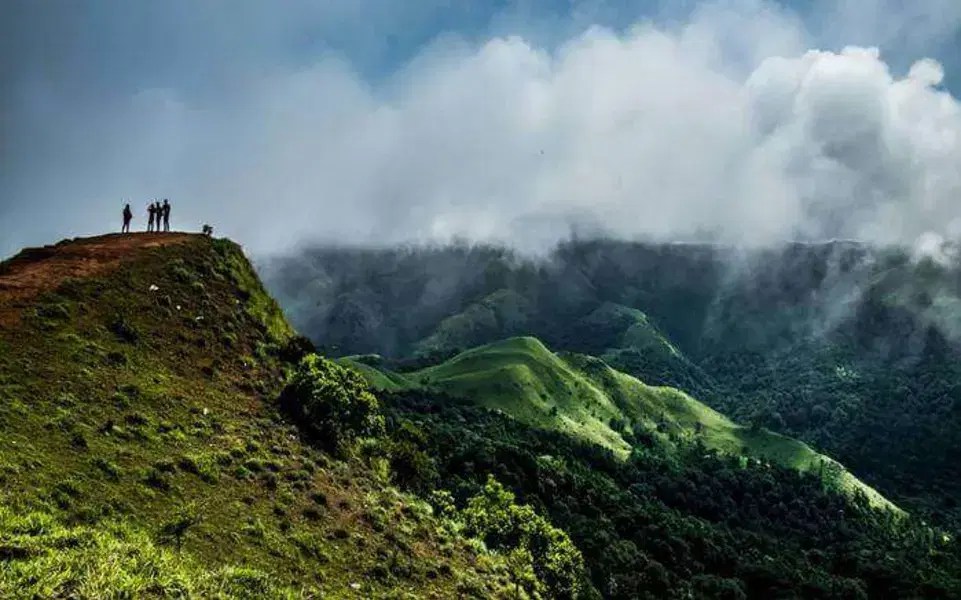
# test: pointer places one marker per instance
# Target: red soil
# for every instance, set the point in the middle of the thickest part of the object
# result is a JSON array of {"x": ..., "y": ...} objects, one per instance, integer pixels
[{"x": 36, "y": 270}]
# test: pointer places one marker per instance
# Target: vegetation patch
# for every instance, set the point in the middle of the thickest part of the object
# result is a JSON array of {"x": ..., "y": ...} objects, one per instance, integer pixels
[{"x": 584, "y": 397}]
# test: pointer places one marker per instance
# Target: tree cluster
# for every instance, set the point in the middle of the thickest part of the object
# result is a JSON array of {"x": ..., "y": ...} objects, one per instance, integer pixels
[{"x": 688, "y": 523}]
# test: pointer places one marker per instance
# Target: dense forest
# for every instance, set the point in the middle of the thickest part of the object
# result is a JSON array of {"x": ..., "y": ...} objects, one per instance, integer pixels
[{"x": 668, "y": 525}]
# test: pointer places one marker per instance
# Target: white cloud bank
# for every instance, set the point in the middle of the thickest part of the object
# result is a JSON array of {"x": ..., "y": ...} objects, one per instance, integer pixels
[{"x": 726, "y": 126}]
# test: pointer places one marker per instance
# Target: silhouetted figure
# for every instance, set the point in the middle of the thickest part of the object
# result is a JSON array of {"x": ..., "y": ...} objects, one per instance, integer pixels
[
  {"x": 127, "y": 215},
  {"x": 166, "y": 214},
  {"x": 208, "y": 230},
  {"x": 152, "y": 214}
]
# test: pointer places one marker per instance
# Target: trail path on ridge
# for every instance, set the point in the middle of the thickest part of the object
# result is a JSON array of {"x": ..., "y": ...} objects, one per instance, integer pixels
[{"x": 36, "y": 270}]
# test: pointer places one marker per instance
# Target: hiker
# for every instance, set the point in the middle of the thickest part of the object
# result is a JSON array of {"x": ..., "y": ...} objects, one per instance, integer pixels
[
  {"x": 152, "y": 212},
  {"x": 127, "y": 215},
  {"x": 166, "y": 214}
]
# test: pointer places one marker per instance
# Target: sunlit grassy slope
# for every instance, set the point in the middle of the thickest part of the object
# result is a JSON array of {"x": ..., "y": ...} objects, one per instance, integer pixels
[
  {"x": 142, "y": 453},
  {"x": 378, "y": 378},
  {"x": 584, "y": 397}
]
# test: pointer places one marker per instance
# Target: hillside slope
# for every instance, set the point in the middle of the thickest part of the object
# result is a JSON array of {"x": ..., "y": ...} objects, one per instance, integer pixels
[
  {"x": 582, "y": 396},
  {"x": 142, "y": 452},
  {"x": 500, "y": 314}
]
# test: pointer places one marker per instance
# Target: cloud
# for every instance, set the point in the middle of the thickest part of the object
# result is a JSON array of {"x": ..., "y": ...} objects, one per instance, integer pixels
[{"x": 726, "y": 125}]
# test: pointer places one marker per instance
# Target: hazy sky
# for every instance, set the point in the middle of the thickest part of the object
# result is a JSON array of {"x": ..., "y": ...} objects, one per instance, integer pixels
[{"x": 381, "y": 121}]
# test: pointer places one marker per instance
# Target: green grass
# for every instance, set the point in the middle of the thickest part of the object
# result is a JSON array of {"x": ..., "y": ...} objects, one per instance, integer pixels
[
  {"x": 523, "y": 378},
  {"x": 259, "y": 304},
  {"x": 141, "y": 424},
  {"x": 379, "y": 379},
  {"x": 584, "y": 397},
  {"x": 44, "y": 558}
]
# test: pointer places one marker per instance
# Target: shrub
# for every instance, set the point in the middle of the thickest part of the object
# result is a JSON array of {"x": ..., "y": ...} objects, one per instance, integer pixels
[
  {"x": 54, "y": 311},
  {"x": 65, "y": 492},
  {"x": 165, "y": 465},
  {"x": 332, "y": 402},
  {"x": 254, "y": 465},
  {"x": 156, "y": 479},
  {"x": 412, "y": 466},
  {"x": 493, "y": 517},
  {"x": 116, "y": 358}
]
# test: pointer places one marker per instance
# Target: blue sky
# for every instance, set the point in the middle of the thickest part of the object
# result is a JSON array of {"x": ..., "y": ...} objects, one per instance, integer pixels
[
  {"x": 219, "y": 104},
  {"x": 196, "y": 45}
]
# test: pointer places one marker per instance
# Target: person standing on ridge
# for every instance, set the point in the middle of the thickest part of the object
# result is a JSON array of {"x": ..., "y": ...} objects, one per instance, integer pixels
[
  {"x": 152, "y": 213},
  {"x": 165, "y": 209},
  {"x": 127, "y": 215}
]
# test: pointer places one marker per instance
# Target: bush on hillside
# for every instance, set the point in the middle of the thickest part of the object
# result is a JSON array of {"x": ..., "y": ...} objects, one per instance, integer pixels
[
  {"x": 493, "y": 517},
  {"x": 333, "y": 403},
  {"x": 410, "y": 464}
]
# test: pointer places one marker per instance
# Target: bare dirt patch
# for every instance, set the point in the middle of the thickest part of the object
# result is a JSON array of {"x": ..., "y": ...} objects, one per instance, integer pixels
[{"x": 35, "y": 270}]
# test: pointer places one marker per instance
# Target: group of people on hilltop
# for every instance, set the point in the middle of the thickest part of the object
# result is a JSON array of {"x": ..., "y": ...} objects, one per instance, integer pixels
[{"x": 156, "y": 212}]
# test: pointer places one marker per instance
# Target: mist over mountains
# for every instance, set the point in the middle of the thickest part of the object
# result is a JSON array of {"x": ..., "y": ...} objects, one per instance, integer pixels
[{"x": 814, "y": 287}]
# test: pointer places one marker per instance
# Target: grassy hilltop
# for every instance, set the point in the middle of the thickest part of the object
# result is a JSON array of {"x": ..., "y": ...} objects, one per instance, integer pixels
[
  {"x": 142, "y": 451},
  {"x": 583, "y": 397}
]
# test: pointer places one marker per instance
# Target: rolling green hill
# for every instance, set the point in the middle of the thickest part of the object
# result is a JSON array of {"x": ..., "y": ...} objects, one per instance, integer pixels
[
  {"x": 143, "y": 452},
  {"x": 584, "y": 397},
  {"x": 625, "y": 337}
]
